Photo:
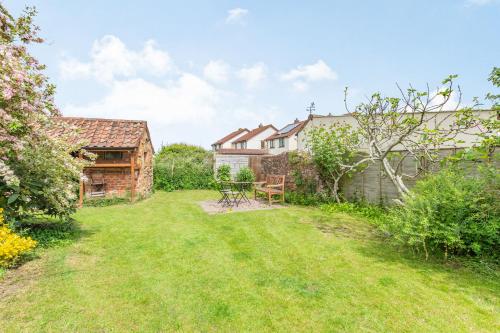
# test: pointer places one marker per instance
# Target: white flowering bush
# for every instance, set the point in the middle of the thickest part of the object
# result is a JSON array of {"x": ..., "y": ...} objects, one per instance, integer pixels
[{"x": 37, "y": 172}]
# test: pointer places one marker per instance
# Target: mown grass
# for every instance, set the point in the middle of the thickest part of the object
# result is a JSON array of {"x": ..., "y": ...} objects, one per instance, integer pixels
[{"x": 164, "y": 265}]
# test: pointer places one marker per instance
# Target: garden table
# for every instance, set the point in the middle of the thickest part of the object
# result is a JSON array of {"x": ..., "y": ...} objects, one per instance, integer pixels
[{"x": 232, "y": 193}]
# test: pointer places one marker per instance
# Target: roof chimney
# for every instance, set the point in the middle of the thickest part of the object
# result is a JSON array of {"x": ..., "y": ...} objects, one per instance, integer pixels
[
  {"x": 296, "y": 121},
  {"x": 260, "y": 125}
]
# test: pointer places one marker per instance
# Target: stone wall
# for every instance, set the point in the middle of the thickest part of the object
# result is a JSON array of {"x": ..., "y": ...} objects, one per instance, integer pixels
[{"x": 144, "y": 165}]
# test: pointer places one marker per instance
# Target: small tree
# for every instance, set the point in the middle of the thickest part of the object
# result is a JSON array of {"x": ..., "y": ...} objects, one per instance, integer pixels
[
  {"x": 37, "y": 172},
  {"x": 413, "y": 123},
  {"x": 334, "y": 151}
]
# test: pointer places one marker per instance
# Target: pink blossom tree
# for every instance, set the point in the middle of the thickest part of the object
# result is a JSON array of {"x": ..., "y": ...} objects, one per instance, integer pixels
[{"x": 37, "y": 172}]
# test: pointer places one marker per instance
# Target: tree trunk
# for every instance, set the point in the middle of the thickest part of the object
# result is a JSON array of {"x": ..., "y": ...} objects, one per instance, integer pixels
[
  {"x": 396, "y": 179},
  {"x": 336, "y": 190}
]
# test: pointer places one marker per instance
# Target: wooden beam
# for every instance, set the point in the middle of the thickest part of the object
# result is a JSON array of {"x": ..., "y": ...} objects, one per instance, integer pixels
[
  {"x": 132, "y": 176},
  {"x": 80, "y": 199},
  {"x": 111, "y": 165}
]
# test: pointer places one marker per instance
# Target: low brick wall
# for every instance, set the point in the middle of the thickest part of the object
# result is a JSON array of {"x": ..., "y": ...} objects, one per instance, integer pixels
[{"x": 281, "y": 165}]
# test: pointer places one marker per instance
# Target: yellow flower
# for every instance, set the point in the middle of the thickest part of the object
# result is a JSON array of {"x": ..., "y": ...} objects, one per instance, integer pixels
[{"x": 12, "y": 246}]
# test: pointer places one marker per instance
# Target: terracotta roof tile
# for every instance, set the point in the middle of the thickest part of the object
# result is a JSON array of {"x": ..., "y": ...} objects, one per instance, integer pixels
[
  {"x": 230, "y": 136},
  {"x": 228, "y": 151},
  {"x": 254, "y": 132},
  {"x": 102, "y": 133}
]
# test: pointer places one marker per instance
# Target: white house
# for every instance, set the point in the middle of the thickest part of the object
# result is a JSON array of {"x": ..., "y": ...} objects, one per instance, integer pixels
[
  {"x": 255, "y": 139},
  {"x": 227, "y": 141},
  {"x": 286, "y": 139},
  {"x": 433, "y": 120}
]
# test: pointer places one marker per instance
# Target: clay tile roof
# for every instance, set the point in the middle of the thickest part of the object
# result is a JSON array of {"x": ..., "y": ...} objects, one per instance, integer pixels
[
  {"x": 254, "y": 132},
  {"x": 288, "y": 134},
  {"x": 230, "y": 136},
  {"x": 102, "y": 133},
  {"x": 230, "y": 151}
]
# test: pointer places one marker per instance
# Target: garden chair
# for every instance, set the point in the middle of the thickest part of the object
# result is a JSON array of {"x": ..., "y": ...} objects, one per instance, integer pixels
[
  {"x": 228, "y": 195},
  {"x": 273, "y": 186},
  {"x": 97, "y": 185}
]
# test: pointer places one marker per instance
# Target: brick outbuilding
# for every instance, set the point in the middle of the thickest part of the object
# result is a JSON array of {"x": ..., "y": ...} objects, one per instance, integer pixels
[{"x": 123, "y": 148}]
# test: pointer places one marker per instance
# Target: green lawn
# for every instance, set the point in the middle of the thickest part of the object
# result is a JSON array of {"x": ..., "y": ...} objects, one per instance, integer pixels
[{"x": 164, "y": 265}]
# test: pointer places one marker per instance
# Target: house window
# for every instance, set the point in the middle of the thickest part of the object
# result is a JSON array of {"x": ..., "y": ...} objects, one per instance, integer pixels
[
  {"x": 271, "y": 144},
  {"x": 113, "y": 155},
  {"x": 244, "y": 145},
  {"x": 282, "y": 142}
]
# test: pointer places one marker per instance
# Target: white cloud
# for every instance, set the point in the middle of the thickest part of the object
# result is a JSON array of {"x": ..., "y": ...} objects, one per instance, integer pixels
[
  {"x": 216, "y": 71},
  {"x": 110, "y": 58},
  {"x": 302, "y": 75},
  {"x": 236, "y": 15},
  {"x": 253, "y": 75},
  {"x": 451, "y": 104},
  {"x": 188, "y": 99},
  {"x": 315, "y": 72},
  {"x": 470, "y": 3}
]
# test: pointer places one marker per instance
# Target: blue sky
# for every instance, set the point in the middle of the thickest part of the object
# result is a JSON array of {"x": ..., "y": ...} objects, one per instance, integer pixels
[{"x": 199, "y": 69}]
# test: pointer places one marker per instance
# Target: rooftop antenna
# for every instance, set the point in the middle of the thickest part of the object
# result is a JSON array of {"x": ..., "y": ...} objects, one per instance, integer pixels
[{"x": 311, "y": 108}]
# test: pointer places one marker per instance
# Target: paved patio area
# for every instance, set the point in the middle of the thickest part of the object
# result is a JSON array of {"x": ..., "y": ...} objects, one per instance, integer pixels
[{"x": 212, "y": 207}]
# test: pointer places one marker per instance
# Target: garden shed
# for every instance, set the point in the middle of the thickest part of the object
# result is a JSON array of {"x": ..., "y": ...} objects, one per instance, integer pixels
[{"x": 124, "y": 163}]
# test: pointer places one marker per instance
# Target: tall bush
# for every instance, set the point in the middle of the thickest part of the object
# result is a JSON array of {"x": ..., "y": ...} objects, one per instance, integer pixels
[
  {"x": 183, "y": 167},
  {"x": 454, "y": 211},
  {"x": 37, "y": 172}
]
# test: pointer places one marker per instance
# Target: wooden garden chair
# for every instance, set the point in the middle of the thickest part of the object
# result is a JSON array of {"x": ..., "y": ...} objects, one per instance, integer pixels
[{"x": 272, "y": 187}]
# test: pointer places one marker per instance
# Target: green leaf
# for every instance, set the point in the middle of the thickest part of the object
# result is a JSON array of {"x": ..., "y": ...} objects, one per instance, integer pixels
[{"x": 12, "y": 198}]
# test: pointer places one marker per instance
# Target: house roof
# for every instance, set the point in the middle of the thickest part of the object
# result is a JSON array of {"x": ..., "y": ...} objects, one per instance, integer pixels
[
  {"x": 102, "y": 133},
  {"x": 255, "y": 132},
  {"x": 289, "y": 130},
  {"x": 230, "y": 136},
  {"x": 230, "y": 151}
]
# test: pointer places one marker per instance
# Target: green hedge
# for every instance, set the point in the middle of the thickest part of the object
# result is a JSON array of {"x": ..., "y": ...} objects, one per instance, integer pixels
[{"x": 183, "y": 167}]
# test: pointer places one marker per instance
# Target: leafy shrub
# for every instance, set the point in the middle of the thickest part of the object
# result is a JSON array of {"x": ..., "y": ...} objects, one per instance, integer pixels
[
  {"x": 454, "y": 210},
  {"x": 224, "y": 173},
  {"x": 104, "y": 202},
  {"x": 183, "y": 167},
  {"x": 245, "y": 175},
  {"x": 12, "y": 246},
  {"x": 307, "y": 199}
]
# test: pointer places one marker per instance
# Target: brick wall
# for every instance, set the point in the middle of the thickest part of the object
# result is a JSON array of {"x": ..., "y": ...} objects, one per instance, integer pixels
[{"x": 117, "y": 180}]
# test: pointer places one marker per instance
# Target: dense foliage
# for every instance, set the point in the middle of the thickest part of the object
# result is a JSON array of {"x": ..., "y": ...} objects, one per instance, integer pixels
[
  {"x": 12, "y": 246},
  {"x": 456, "y": 211},
  {"x": 37, "y": 172},
  {"x": 223, "y": 173},
  {"x": 333, "y": 152},
  {"x": 245, "y": 175},
  {"x": 183, "y": 167}
]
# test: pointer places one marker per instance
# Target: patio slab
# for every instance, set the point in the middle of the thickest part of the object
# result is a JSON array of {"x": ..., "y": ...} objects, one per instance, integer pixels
[{"x": 212, "y": 207}]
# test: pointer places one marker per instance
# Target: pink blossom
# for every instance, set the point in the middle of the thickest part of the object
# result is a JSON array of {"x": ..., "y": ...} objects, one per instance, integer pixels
[{"x": 8, "y": 93}]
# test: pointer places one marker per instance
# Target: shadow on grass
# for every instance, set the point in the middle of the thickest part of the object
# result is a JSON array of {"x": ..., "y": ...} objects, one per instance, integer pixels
[
  {"x": 462, "y": 272},
  {"x": 50, "y": 232}
]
